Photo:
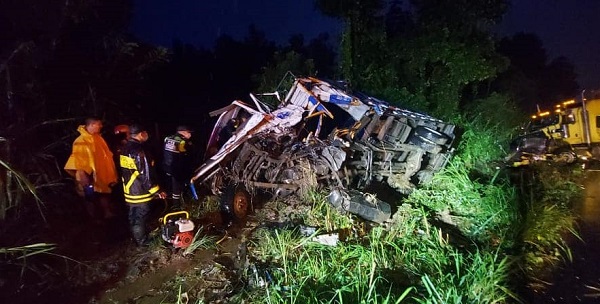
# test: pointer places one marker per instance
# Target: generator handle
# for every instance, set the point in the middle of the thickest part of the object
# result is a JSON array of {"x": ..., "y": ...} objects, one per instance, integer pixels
[{"x": 168, "y": 215}]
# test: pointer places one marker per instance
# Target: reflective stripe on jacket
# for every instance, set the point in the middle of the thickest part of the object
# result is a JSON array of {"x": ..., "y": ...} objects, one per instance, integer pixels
[{"x": 137, "y": 171}]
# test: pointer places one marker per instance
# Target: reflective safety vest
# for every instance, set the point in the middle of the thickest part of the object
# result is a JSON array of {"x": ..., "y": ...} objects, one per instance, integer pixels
[{"x": 174, "y": 156}]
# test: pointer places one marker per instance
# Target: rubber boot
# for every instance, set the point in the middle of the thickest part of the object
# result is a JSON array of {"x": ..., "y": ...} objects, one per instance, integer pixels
[
  {"x": 139, "y": 236},
  {"x": 175, "y": 202}
]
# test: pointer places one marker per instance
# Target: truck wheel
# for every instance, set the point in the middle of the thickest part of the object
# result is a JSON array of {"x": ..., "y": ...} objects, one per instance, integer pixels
[
  {"x": 236, "y": 201},
  {"x": 432, "y": 135},
  {"x": 568, "y": 157}
]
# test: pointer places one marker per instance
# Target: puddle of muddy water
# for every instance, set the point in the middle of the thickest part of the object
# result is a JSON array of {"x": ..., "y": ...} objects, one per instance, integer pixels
[
  {"x": 579, "y": 282},
  {"x": 147, "y": 288},
  {"x": 204, "y": 273}
]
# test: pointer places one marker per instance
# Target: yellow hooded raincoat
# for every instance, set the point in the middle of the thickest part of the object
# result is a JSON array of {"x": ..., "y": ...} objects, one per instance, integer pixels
[{"x": 92, "y": 155}]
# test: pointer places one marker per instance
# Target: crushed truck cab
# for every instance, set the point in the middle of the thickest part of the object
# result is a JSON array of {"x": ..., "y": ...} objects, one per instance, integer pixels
[
  {"x": 321, "y": 135},
  {"x": 565, "y": 134}
]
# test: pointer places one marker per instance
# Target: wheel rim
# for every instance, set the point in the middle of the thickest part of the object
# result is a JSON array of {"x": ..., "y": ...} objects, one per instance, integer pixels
[
  {"x": 241, "y": 201},
  {"x": 567, "y": 157}
]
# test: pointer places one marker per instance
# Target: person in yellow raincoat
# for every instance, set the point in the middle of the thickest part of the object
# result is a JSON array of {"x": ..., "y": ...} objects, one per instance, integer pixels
[{"x": 91, "y": 164}]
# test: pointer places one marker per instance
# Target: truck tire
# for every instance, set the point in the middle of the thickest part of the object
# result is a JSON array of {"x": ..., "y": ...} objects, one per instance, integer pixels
[
  {"x": 236, "y": 201},
  {"x": 567, "y": 157}
]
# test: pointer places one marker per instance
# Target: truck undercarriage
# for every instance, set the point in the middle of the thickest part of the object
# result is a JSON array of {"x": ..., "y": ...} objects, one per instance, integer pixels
[{"x": 323, "y": 136}]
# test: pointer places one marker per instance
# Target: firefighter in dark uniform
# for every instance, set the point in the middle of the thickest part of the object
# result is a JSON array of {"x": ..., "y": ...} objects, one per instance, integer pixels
[
  {"x": 140, "y": 185},
  {"x": 176, "y": 164}
]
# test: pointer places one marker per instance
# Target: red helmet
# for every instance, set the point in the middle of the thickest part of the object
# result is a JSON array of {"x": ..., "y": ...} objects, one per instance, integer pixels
[{"x": 121, "y": 129}]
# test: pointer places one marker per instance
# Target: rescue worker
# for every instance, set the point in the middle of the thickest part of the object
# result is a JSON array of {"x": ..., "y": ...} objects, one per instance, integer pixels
[
  {"x": 119, "y": 140},
  {"x": 176, "y": 164},
  {"x": 91, "y": 164},
  {"x": 121, "y": 136},
  {"x": 140, "y": 185}
]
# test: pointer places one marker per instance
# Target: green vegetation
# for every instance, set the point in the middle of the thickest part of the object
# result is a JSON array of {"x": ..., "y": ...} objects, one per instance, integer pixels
[
  {"x": 200, "y": 241},
  {"x": 483, "y": 212},
  {"x": 13, "y": 186},
  {"x": 323, "y": 214},
  {"x": 451, "y": 241},
  {"x": 410, "y": 260},
  {"x": 489, "y": 124},
  {"x": 455, "y": 240},
  {"x": 550, "y": 220}
]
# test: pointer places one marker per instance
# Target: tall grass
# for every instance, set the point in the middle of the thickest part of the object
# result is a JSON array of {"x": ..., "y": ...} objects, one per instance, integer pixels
[
  {"x": 385, "y": 266},
  {"x": 483, "y": 211},
  {"x": 546, "y": 191},
  {"x": 479, "y": 277},
  {"x": 200, "y": 241},
  {"x": 303, "y": 271},
  {"x": 12, "y": 187},
  {"x": 556, "y": 184},
  {"x": 322, "y": 213},
  {"x": 543, "y": 238},
  {"x": 549, "y": 220},
  {"x": 489, "y": 124}
]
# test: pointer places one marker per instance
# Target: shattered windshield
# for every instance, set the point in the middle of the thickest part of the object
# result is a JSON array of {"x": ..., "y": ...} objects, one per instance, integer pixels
[{"x": 542, "y": 122}]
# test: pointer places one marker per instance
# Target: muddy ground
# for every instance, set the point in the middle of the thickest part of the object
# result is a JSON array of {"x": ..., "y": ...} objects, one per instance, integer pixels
[{"x": 99, "y": 263}]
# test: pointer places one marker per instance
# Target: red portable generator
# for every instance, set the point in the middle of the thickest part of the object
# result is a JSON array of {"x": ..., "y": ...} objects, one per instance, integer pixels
[{"x": 177, "y": 229}]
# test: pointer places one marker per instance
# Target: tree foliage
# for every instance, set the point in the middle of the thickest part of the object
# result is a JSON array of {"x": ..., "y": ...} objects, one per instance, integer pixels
[
  {"x": 423, "y": 53},
  {"x": 465, "y": 17},
  {"x": 317, "y": 58},
  {"x": 61, "y": 61},
  {"x": 531, "y": 80},
  {"x": 70, "y": 58}
]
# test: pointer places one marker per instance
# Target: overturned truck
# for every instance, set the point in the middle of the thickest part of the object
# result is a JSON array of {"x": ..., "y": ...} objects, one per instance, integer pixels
[{"x": 322, "y": 135}]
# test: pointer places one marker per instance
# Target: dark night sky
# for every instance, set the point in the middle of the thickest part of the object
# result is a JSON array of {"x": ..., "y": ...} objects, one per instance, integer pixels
[
  {"x": 566, "y": 27},
  {"x": 201, "y": 22}
]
